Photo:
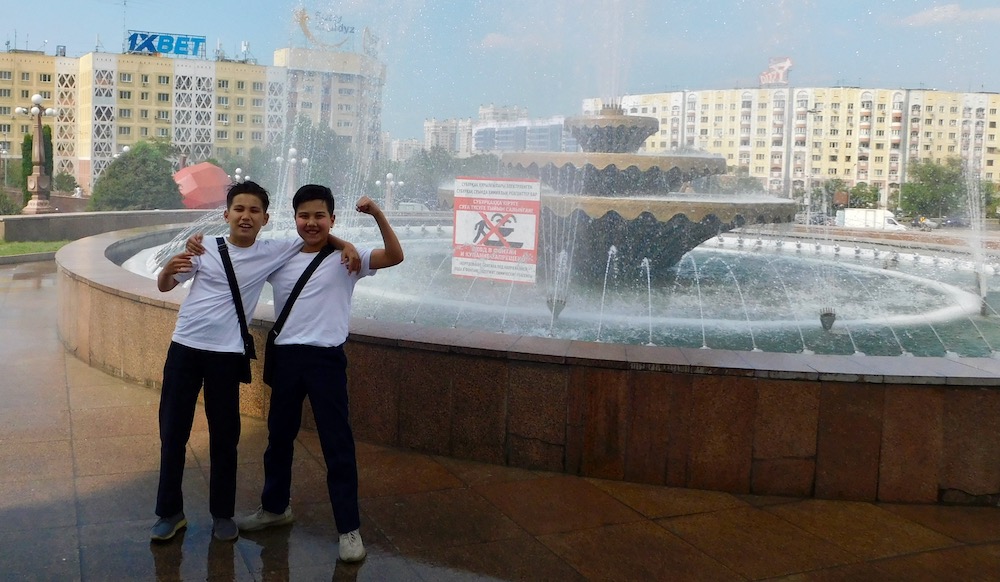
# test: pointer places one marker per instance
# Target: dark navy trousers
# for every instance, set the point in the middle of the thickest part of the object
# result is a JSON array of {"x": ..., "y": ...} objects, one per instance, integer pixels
[
  {"x": 184, "y": 373},
  {"x": 321, "y": 374}
]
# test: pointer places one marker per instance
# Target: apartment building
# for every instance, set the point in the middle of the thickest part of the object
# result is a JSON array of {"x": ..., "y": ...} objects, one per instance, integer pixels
[
  {"x": 205, "y": 108},
  {"x": 798, "y": 138},
  {"x": 452, "y": 135}
]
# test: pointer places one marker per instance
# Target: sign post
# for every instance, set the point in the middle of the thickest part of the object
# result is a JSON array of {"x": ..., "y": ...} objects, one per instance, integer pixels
[{"x": 496, "y": 228}]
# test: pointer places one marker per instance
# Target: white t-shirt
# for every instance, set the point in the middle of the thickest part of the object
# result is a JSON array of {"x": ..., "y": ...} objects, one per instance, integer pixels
[
  {"x": 322, "y": 312},
  {"x": 207, "y": 318}
]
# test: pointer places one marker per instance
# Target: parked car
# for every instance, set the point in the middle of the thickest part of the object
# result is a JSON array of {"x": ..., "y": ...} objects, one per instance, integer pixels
[
  {"x": 955, "y": 222},
  {"x": 923, "y": 223}
]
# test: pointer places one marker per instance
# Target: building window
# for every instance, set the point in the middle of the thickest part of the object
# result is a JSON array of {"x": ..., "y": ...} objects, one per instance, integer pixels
[
  {"x": 238, "y": 135},
  {"x": 144, "y": 79},
  {"x": 241, "y": 118},
  {"x": 124, "y": 77},
  {"x": 144, "y": 114},
  {"x": 144, "y": 131},
  {"x": 259, "y": 103},
  {"x": 4, "y": 92},
  {"x": 241, "y": 85},
  {"x": 257, "y": 136},
  {"x": 124, "y": 130},
  {"x": 163, "y": 79},
  {"x": 241, "y": 102},
  {"x": 6, "y": 76},
  {"x": 258, "y": 86},
  {"x": 124, "y": 94},
  {"x": 165, "y": 115},
  {"x": 223, "y": 84},
  {"x": 144, "y": 96},
  {"x": 163, "y": 97},
  {"x": 26, "y": 77},
  {"x": 222, "y": 101},
  {"x": 222, "y": 134},
  {"x": 125, "y": 113}
]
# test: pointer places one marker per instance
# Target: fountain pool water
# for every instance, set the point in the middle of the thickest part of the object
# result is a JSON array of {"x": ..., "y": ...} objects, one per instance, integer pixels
[{"x": 733, "y": 292}]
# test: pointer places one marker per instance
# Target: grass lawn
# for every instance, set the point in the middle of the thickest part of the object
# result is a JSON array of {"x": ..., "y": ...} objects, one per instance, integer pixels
[{"x": 23, "y": 248}]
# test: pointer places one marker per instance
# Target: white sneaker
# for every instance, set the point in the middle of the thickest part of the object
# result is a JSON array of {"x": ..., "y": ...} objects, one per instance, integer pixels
[
  {"x": 352, "y": 549},
  {"x": 261, "y": 519}
]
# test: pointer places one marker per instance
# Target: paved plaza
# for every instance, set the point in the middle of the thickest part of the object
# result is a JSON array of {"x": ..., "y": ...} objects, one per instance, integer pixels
[{"x": 78, "y": 471}]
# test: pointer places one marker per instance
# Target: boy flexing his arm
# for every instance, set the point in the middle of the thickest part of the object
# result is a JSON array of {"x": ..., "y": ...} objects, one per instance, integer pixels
[{"x": 308, "y": 360}]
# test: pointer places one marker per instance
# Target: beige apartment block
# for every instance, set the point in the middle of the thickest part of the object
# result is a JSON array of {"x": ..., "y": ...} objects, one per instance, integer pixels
[
  {"x": 796, "y": 138},
  {"x": 204, "y": 108}
]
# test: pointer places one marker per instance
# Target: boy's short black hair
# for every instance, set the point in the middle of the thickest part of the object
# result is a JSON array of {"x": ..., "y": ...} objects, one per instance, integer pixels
[
  {"x": 313, "y": 192},
  {"x": 248, "y": 187}
]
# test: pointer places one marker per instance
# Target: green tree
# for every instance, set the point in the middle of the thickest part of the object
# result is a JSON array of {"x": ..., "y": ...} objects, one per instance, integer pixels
[
  {"x": 934, "y": 188},
  {"x": 64, "y": 182},
  {"x": 7, "y": 206},
  {"x": 26, "y": 158},
  {"x": 426, "y": 171},
  {"x": 863, "y": 195},
  {"x": 141, "y": 179}
]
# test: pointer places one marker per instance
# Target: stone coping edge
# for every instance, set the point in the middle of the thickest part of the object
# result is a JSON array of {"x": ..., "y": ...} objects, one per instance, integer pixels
[{"x": 77, "y": 261}]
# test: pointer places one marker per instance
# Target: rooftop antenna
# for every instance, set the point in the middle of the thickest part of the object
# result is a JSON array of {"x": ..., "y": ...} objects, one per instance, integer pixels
[
  {"x": 124, "y": 26},
  {"x": 98, "y": 47}
]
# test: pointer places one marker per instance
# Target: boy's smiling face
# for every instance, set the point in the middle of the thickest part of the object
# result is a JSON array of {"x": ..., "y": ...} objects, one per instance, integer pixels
[
  {"x": 246, "y": 217},
  {"x": 313, "y": 222}
]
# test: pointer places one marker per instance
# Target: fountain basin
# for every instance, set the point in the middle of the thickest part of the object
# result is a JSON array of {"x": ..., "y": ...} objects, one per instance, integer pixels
[{"x": 839, "y": 427}]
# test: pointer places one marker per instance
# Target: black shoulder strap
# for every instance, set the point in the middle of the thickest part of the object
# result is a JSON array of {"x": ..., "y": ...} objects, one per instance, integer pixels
[
  {"x": 280, "y": 322},
  {"x": 248, "y": 347}
]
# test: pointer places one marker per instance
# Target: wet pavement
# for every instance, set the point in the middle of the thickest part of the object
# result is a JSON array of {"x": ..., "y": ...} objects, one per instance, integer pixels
[{"x": 78, "y": 469}]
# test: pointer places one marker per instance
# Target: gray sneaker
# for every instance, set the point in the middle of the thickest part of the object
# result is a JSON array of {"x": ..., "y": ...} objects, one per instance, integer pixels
[
  {"x": 166, "y": 528},
  {"x": 262, "y": 518},
  {"x": 352, "y": 549},
  {"x": 224, "y": 529}
]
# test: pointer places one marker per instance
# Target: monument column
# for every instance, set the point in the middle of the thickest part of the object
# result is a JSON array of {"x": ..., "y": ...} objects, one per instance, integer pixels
[{"x": 38, "y": 182}]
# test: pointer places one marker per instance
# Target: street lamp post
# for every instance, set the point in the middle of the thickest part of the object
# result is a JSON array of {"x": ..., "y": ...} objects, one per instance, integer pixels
[
  {"x": 3, "y": 158},
  {"x": 389, "y": 185},
  {"x": 294, "y": 164},
  {"x": 38, "y": 182}
]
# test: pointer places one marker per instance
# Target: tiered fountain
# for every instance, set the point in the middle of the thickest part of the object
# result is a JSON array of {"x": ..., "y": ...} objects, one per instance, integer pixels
[{"x": 609, "y": 196}]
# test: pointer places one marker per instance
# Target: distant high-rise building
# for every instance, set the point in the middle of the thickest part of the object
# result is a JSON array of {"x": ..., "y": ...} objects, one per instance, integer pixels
[
  {"x": 401, "y": 150},
  {"x": 204, "y": 108},
  {"x": 452, "y": 135},
  {"x": 523, "y": 135}
]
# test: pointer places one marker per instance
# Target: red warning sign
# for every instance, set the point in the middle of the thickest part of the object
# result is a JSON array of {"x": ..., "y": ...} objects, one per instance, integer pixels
[{"x": 496, "y": 228}]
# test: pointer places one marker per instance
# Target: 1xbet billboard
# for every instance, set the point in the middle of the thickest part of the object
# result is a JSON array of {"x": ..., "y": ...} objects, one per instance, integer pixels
[{"x": 161, "y": 43}]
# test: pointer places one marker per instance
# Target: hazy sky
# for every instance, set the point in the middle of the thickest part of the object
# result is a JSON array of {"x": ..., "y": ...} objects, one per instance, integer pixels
[{"x": 445, "y": 58}]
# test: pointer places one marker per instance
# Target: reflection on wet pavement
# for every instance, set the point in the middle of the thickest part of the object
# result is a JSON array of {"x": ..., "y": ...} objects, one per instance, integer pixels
[{"x": 78, "y": 469}]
